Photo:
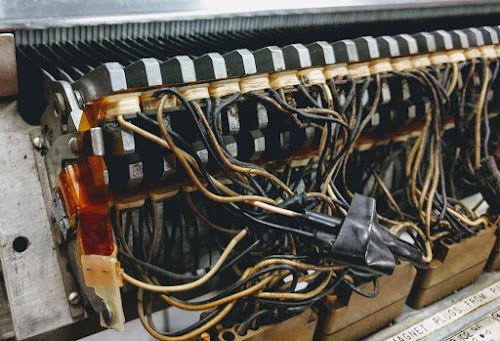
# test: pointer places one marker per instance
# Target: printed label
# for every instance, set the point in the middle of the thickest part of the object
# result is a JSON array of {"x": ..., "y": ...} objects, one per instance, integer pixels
[{"x": 454, "y": 313}]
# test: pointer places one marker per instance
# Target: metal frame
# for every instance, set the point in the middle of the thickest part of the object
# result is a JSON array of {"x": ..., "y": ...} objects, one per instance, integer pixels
[
  {"x": 69, "y": 20},
  {"x": 23, "y": 14},
  {"x": 33, "y": 278}
]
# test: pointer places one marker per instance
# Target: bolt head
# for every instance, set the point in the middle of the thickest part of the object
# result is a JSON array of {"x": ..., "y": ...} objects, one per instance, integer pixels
[
  {"x": 74, "y": 298},
  {"x": 38, "y": 142}
]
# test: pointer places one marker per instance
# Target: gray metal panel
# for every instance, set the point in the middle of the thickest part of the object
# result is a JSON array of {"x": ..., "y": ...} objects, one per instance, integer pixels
[
  {"x": 61, "y": 20},
  {"x": 50, "y": 13},
  {"x": 32, "y": 278}
]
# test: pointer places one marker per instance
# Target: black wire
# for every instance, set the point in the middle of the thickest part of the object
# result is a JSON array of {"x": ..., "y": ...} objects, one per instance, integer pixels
[
  {"x": 157, "y": 269},
  {"x": 202, "y": 132},
  {"x": 181, "y": 142},
  {"x": 213, "y": 116},
  {"x": 304, "y": 91},
  {"x": 323, "y": 154},
  {"x": 307, "y": 302},
  {"x": 374, "y": 293},
  {"x": 210, "y": 316},
  {"x": 360, "y": 106},
  {"x": 245, "y": 325},
  {"x": 240, "y": 256},
  {"x": 350, "y": 96},
  {"x": 280, "y": 227},
  {"x": 325, "y": 119},
  {"x": 235, "y": 286},
  {"x": 312, "y": 117},
  {"x": 485, "y": 110}
]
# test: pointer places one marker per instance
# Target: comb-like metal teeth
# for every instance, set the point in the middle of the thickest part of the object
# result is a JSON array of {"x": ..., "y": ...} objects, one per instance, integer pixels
[
  {"x": 81, "y": 62},
  {"x": 151, "y": 50},
  {"x": 115, "y": 48},
  {"x": 36, "y": 58},
  {"x": 64, "y": 64},
  {"x": 196, "y": 58},
  {"x": 79, "y": 53},
  {"x": 123, "y": 45},
  {"x": 70, "y": 62}
]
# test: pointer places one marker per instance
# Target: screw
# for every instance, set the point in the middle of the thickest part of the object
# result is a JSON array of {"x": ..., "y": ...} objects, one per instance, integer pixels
[
  {"x": 73, "y": 145},
  {"x": 74, "y": 298},
  {"x": 38, "y": 142}
]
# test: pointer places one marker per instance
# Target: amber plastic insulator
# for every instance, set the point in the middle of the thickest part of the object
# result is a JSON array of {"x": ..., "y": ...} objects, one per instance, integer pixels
[
  {"x": 67, "y": 188},
  {"x": 111, "y": 106},
  {"x": 94, "y": 227},
  {"x": 90, "y": 217}
]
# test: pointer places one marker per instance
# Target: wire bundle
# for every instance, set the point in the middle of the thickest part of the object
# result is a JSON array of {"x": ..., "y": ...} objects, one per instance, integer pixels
[
  {"x": 278, "y": 258},
  {"x": 422, "y": 180}
]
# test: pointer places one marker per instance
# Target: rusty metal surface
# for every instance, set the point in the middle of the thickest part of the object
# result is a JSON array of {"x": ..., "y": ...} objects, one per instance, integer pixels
[{"x": 8, "y": 72}]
